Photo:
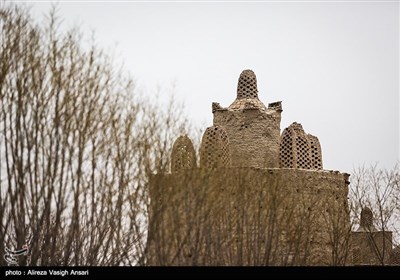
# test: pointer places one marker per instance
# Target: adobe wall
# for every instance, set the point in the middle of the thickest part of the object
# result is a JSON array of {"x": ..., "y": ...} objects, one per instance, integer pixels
[
  {"x": 248, "y": 216},
  {"x": 371, "y": 248},
  {"x": 254, "y": 136}
]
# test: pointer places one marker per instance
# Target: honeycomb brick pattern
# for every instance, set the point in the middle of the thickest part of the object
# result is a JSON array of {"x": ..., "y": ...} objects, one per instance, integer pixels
[
  {"x": 356, "y": 256},
  {"x": 395, "y": 256},
  {"x": 183, "y": 154},
  {"x": 286, "y": 148},
  {"x": 316, "y": 154},
  {"x": 303, "y": 152},
  {"x": 247, "y": 85},
  {"x": 215, "y": 150},
  {"x": 366, "y": 219},
  {"x": 298, "y": 150}
]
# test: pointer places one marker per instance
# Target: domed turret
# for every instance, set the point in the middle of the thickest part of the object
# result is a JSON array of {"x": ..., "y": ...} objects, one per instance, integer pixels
[
  {"x": 247, "y": 93},
  {"x": 366, "y": 220},
  {"x": 247, "y": 85}
]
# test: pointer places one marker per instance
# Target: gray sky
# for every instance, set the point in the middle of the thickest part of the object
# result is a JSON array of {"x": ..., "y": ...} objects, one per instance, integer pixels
[{"x": 334, "y": 65}]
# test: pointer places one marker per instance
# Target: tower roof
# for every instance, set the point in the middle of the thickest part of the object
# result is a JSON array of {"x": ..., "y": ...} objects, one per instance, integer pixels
[
  {"x": 366, "y": 221},
  {"x": 247, "y": 85},
  {"x": 247, "y": 93}
]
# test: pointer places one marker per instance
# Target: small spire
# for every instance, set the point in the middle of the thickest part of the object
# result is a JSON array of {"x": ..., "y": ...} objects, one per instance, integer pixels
[
  {"x": 366, "y": 217},
  {"x": 247, "y": 85},
  {"x": 247, "y": 93},
  {"x": 366, "y": 220},
  {"x": 297, "y": 127}
]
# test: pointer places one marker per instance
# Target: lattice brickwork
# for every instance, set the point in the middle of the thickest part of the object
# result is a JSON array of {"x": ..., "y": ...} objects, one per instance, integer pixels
[
  {"x": 286, "y": 148},
  {"x": 215, "y": 150},
  {"x": 298, "y": 150},
  {"x": 316, "y": 153},
  {"x": 366, "y": 219},
  {"x": 183, "y": 154},
  {"x": 395, "y": 256},
  {"x": 356, "y": 256},
  {"x": 247, "y": 85},
  {"x": 303, "y": 151}
]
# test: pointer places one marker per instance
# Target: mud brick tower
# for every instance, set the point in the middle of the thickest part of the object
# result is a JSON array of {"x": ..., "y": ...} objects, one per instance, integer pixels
[{"x": 251, "y": 195}]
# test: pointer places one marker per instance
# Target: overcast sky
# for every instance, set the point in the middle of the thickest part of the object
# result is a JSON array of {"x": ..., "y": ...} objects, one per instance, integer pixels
[{"x": 334, "y": 65}]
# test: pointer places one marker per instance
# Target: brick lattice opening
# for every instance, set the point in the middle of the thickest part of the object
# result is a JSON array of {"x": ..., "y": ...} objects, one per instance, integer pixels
[
  {"x": 247, "y": 85},
  {"x": 183, "y": 154},
  {"x": 299, "y": 150},
  {"x": 215, "y": 150},
  {"x": 316, "y": 153}
]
